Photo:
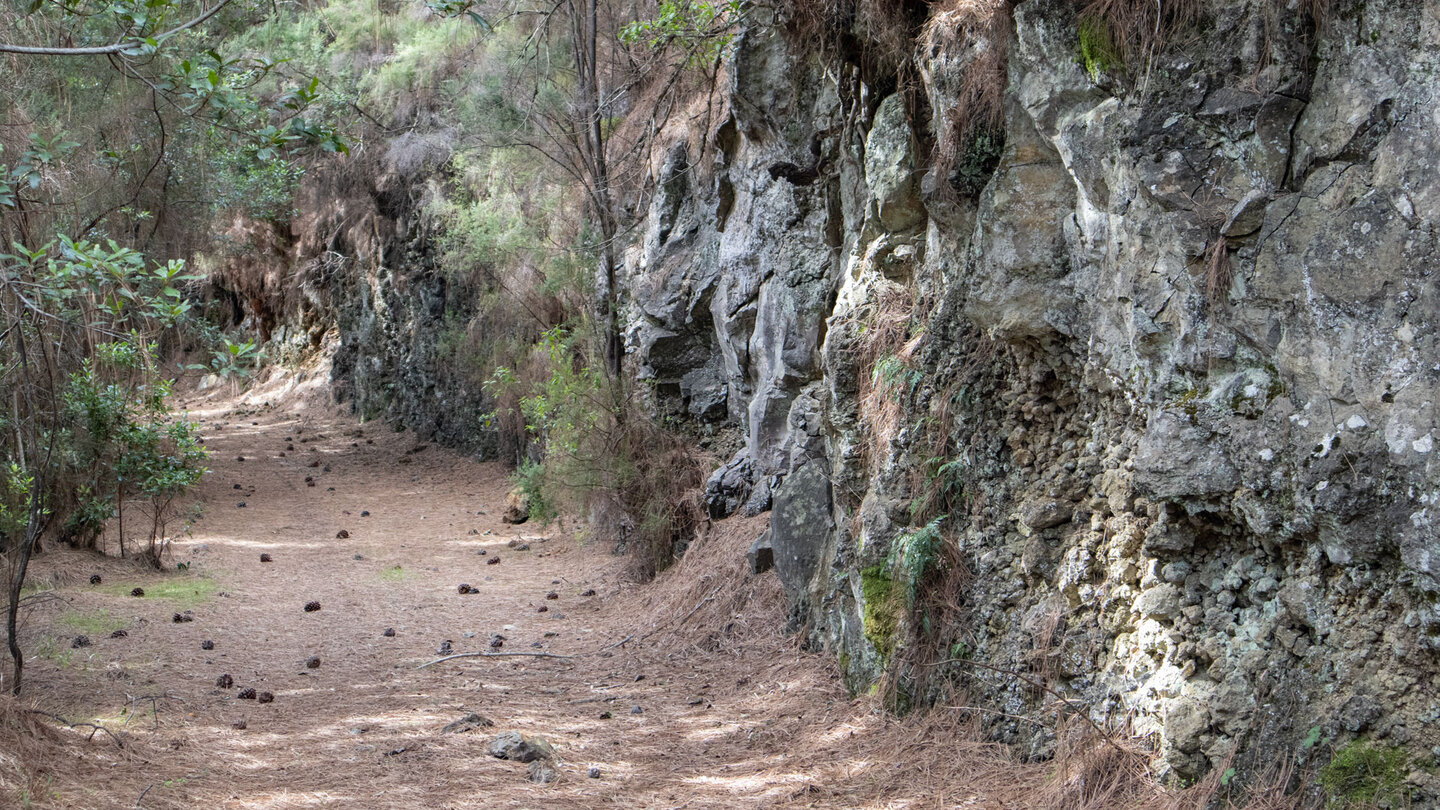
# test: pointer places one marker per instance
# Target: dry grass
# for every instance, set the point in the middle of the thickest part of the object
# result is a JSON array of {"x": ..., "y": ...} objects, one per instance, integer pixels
[
  {"x": 1138, "y": 29},
  {"x": 1218, "y": 273},
  {"x": 978, "y": 31},
  {"x": 888, "y": 354},
  {"x": 26, "y": 744}
]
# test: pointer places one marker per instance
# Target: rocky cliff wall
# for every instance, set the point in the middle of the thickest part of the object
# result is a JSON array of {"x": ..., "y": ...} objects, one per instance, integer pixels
[
  {"x": 1151, "y": 415},
  {"x": 1134, "y": 397}
]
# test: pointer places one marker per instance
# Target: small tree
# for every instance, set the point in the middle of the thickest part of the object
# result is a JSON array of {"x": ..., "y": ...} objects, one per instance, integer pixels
[{"x": 87, "y": 426}]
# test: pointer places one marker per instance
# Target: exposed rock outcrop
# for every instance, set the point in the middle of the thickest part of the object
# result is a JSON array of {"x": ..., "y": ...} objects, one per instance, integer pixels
[
  {"x": 1171, "y": 372},
  {"x": 1155, "y": 362}
]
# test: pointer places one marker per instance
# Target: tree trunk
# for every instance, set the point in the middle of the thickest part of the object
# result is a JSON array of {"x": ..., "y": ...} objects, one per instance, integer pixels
[
  {"x": 33, "y": 529},
  {"x": 586, "y": 34}
]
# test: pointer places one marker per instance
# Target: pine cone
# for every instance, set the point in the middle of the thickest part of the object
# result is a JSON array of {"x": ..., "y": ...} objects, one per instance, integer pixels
[
  {"x": 94, "y": 579},
  {"x": 311, "y": 607},
  {"x": 225, "y": 681},
  {"x": 247, "y": 693},
  {"x": 266, "y": 697},
  {"x": 138, "y": 592},
  {"x": 207, "y": 644}
]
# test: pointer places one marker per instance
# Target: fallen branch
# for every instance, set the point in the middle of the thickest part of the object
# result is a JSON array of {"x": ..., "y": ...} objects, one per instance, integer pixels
[
  {"x": 703, "y": 603},
  {"x": 496, "y": 655},
  {"x": 95, "y": 728},
  {"x": 618, "y": 643}
]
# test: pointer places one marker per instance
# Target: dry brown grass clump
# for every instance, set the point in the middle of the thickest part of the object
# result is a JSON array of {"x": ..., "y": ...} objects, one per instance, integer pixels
[
  {"x": 26, "y": 743},
  {"x": 978, "y": 31},
  {"x": 886, "y": 363}
]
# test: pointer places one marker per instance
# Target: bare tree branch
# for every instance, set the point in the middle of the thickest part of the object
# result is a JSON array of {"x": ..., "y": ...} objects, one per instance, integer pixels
[{"x": 101, "y": 50}]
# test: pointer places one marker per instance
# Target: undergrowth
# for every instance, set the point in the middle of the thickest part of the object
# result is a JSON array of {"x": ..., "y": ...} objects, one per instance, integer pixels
[{"x": 603, "y": 455}]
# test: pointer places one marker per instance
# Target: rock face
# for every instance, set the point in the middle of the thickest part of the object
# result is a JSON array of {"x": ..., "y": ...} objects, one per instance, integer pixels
[
  {"x": 1136, "y": 395},
  {"x": 1168, "y": 375}
]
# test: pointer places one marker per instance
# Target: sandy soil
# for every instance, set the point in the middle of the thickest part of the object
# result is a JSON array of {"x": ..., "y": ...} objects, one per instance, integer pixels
[{"x": 681, "y": 693}]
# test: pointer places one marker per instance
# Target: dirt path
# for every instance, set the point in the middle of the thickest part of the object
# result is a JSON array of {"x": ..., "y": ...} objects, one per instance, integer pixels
[{"x": 717, "y": 710}]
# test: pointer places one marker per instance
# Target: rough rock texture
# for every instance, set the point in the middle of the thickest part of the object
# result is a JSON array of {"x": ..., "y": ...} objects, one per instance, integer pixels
[
  {"x": 520, "y": 747},
  {"x": 355, "y": 273},
  {"x": 1169, "y": 377},
  {"x": 1141, "y": 404}
]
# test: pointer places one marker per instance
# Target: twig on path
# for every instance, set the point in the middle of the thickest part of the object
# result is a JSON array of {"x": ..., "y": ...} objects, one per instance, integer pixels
[
  {"x": 496, "y": 655},
  {"x": 142, "y": 794},
  {"x": 618, "y": 643},
  {"x": 95, "y": 728},
  {"x": 31, "y": 600},
  {"x": 132, "y": 702},
  {"x": 702, "y": 603}
]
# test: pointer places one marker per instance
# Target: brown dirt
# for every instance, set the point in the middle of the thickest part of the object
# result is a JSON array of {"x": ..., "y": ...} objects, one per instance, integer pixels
[{"x": 734, "y": 714}]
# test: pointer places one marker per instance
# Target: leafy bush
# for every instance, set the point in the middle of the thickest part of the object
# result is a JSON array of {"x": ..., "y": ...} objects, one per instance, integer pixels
[{"x": 603, "y": 454}]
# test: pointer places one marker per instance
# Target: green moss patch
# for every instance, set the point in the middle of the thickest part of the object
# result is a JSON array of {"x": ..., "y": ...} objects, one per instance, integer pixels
[
  {"x": 1363, "y": 773},
  {"x": 881, "y": 617},
  {"x": 1098, "y": 52}
]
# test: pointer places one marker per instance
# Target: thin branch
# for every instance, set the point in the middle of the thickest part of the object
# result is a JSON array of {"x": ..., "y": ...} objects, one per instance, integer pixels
[
  {"x": 496, "y": 655},
  {"x": 101, "y": 50},
  {"x": 95, "y": 728}
]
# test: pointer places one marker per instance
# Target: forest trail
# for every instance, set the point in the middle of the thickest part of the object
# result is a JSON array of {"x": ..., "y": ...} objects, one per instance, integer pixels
[{"x": 709, "y": 703}]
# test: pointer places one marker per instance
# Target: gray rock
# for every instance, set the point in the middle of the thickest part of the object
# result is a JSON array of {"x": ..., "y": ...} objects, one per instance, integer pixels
[
  {"x": 1044, "y": 513},
  {"x": 800, "y": 527},
  {"x": 519, "y": 747},
  {"x": 890, "y": 167},
  {"x": 1160, "y": 602},
  {"x": 543, "y": 772},
  {"x": 761, "y": 555},
  {"x": 1185, "y": 721},
  {"x": 469, "y": 722},
  {"x": 1359, "y": 713},
  {"x": 517, "y": 507}
]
